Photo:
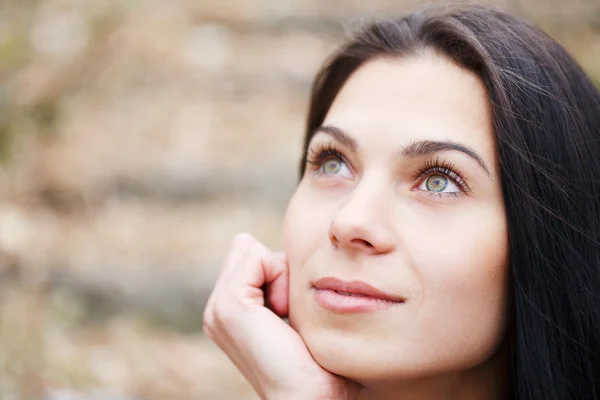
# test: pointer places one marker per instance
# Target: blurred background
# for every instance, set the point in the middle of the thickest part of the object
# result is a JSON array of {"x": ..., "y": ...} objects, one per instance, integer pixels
[{"x": 136, "y": 138}]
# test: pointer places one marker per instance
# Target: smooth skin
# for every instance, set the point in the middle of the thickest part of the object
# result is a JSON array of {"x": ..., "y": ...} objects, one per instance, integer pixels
[{"x": 429, "y": 226}]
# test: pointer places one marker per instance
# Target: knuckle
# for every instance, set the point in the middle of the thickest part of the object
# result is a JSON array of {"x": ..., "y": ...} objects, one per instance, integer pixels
[
  {"x": 243, "y": 245},
  {"x": 208, "y": 322},
  {"x": 220, "y": 314},
  {"x": 218, "y": 320},
  {"x": 242, "y": 239},
  {"x": 207, "y": 329},
  {"x": 215, "y": 317},
  {"x": 208, "y": 319}
]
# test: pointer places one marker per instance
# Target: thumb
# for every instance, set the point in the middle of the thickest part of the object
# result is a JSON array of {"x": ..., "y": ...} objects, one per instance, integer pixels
[{"x": 277, "y": 290}]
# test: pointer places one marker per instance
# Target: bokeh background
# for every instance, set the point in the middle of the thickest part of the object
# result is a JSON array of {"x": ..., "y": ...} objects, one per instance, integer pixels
[{"x": 136, "y": 138}]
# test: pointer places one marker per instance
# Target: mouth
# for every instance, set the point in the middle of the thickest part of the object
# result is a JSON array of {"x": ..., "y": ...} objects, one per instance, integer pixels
[{"x": 352, "y": 297}]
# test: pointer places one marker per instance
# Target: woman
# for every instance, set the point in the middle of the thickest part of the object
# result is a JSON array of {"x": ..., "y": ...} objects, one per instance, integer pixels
[{"x": 444, "y": 239}]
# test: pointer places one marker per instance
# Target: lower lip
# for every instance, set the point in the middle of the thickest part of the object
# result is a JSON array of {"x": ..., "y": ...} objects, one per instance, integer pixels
[{"x": 343, "y": 304}]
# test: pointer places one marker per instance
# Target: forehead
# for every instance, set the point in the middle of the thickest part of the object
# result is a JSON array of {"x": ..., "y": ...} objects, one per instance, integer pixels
[{"x": 395, "y": 101}]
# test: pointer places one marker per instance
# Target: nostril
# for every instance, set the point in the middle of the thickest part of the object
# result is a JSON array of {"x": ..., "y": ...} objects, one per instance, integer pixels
[
  {"x": 334, "y": 240},
  {"x": 362, "y": 242}
]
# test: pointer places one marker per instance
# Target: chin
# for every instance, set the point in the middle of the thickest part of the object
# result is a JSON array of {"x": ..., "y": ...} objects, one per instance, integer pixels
[
  {"x": 360, "y": 358},
  {"x": 368, "y": 359}
]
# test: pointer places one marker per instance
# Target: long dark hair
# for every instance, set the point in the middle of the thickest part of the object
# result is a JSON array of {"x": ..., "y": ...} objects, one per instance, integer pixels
[{"x": 546, "y": 118}]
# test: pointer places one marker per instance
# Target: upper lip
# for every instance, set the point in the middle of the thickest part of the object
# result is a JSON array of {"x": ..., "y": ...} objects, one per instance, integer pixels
[{"x": 355, "y": 287}]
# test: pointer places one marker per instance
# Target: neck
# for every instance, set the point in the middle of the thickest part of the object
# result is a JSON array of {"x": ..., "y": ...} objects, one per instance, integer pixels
[{"x": 487, "y": 381}]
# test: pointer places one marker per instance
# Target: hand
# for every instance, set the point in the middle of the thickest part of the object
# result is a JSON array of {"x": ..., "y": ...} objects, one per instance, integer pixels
[{"x": 243, "y": 318}]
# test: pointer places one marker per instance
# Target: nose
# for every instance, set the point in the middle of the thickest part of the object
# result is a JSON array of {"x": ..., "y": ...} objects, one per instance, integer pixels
[{"x": 362, "y": 224}]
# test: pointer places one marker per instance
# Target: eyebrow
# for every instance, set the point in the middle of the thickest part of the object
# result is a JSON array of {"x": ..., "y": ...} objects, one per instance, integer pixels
[{"x": 418, "y": 148}]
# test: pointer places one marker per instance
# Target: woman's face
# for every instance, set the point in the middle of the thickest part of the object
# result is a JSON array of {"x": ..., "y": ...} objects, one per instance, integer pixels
[{"x": 401, "y": 192}]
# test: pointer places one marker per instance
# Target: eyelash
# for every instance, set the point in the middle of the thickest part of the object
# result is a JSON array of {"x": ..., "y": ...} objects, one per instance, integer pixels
[
  {"x": 316, "y": 158},
  {"x": 446, "y": 168}
]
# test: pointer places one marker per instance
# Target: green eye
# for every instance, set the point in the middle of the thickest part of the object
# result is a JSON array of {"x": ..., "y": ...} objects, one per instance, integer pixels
[
  {"x": 332, "y": 166},
  {"x": 436, "y": 183}
]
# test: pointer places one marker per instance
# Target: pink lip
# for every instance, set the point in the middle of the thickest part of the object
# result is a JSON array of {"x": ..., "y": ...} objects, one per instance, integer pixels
[{"x": 352, "y": 297}]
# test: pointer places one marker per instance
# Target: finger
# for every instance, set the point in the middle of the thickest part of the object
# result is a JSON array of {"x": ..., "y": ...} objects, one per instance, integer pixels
[
  {"x": 243, "y": 267},
  {"x": 242, "y": 258},
  {"x": 240, "y": 246},
  {"x": 277, "y": 290},
  {"x": 240, "y": 250}
]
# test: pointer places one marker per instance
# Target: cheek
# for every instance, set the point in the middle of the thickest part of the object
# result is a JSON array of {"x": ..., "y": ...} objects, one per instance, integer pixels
[
  {"x": 463, "y": 273},
  {"x": 304, "y": 229},
  {"x": 297, "y": 231},
  {"x": 470, "y": 256},
  {"x": 298, "y": 245},
  {"x": 306, "y": 225}
]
